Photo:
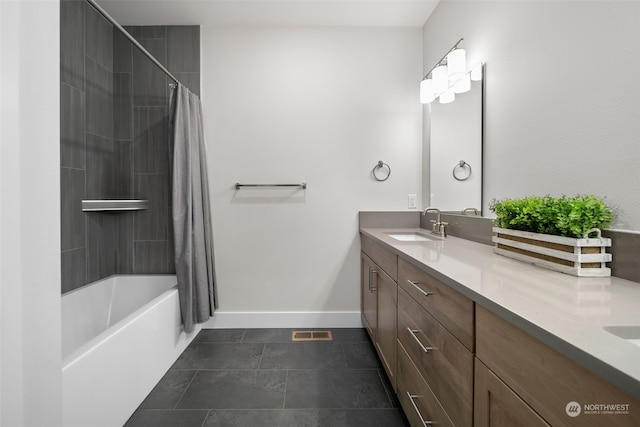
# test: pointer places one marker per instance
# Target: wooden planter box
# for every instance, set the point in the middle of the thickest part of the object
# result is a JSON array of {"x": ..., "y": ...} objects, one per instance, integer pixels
[{"x": 578, "y": 257}]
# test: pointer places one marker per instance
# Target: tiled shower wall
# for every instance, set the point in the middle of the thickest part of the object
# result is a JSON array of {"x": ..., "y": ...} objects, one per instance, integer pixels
[{"x": 114, "y": 139}]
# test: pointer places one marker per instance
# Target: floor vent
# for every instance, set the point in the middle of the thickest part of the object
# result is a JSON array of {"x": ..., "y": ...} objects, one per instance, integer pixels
[{"x": 311, "y": 336}]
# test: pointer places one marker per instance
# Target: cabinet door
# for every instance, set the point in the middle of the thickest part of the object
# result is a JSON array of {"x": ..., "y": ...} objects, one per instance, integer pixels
[
  {"x": 387, "y": 322},
  {"x": 496, "y": 405},
  {"x": 369, "y": 296}
]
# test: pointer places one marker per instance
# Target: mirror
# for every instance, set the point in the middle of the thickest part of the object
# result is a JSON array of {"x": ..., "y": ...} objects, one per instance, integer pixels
[{"x": 455, "y": 169}]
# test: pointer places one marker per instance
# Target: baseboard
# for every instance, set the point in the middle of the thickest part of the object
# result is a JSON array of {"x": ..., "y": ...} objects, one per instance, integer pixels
[{"x": 288, "y": 319}]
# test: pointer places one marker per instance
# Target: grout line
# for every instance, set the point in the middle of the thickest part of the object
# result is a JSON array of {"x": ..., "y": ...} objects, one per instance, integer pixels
[
  {"x": 204, "y": 422},
  {"x": 284, "y": 397},
  {"x": 186, "y": 389},
  {"x": 264, "y": 348}
]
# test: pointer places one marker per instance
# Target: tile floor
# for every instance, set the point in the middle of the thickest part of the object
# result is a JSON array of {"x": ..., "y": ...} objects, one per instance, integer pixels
[{"x": 259, "y": 377}]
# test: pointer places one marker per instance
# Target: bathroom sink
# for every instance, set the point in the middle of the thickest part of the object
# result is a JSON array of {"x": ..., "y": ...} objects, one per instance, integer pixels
[
  {"x": 410, "y": 237},
  {"x": 630, "y": 333}
]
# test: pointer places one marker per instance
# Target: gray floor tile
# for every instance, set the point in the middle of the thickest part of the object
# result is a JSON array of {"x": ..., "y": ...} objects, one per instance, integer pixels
[
  {"x": 303, "y": 355},
  {"x": 350, "y": 335},
  {"x": 169, "y": 390},
  {"x": 361, "y": 355},
  {"x": 342, "y": 388},
  {"x": 220, "y": 356},
  {"x": 236, "y": 389},
  {"x": 267, "y": 335},
  {"x": 220, "y": 335},
  {"x": 166, "y": 418},
  {"x": 306, "y": 418},
  {"x": 244, "y": 417},
  {"x": 342, "y": 418},
  {"x": 296, "y": 384}
]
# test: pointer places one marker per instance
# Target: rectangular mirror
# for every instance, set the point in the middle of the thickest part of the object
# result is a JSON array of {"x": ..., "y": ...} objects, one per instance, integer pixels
[{"x": 455, "y": 168}]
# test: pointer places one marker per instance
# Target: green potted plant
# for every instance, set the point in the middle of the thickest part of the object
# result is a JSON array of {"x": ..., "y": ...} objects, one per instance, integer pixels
[{"x": 560, "y": 233}]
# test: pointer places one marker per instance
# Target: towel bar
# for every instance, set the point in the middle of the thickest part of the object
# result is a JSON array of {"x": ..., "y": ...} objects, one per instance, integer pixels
[{"x": 303, "y": 185}]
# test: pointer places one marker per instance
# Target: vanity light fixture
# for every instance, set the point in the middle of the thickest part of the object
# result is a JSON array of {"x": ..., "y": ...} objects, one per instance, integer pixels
[
  {"x": 440, "y": 79},
  {"x": 447, "y": 96},
  {"x": 448, "y": 77},
  {"x": 427, "y": 94},
  {"x": 456, "y": 64}
]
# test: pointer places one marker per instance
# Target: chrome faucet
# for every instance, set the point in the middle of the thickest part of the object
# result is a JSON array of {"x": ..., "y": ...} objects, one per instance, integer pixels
[{"x": 438, "y": 227}]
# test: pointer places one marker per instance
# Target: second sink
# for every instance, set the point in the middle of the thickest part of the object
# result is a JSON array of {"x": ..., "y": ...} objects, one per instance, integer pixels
[{"x": 630, "y": 333}]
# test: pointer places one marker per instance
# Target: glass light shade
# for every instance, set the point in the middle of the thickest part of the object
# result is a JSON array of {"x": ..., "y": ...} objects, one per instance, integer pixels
[
  {"x": 440, "y": 79},
  {"x": 463, "y": 85},
  {"x": 476, "y": 73},
  {"x": 427, "y": 94},
  {"x": 447, "y": 97},
  {"x": 456, "y": 64}
]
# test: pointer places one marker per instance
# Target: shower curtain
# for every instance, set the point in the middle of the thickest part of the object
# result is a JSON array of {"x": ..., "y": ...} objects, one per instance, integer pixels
[{"x": 193, "y": 237}]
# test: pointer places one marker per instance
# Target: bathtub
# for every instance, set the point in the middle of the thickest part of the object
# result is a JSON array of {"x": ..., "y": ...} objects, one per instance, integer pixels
[{"x": 119, "y": 337}]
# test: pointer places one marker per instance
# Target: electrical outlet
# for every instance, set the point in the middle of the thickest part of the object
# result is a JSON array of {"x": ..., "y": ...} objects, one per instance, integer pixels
[{"x": 412, "y": 201}]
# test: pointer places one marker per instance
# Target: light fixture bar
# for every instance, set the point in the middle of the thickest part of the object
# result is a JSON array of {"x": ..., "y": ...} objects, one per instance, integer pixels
[{"x": 455, "y": 46}]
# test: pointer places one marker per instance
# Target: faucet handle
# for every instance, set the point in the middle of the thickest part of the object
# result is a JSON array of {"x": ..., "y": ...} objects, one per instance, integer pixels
[{"x": 442, "y": 230}]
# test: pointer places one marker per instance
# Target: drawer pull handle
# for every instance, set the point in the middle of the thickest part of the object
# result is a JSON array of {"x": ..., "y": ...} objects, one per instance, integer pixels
[
  {"x": 423, "y": 292},
  {"x": 411, "y": 397},
  {"x": 413, "y": 334},
  {"x": 373, "y": 273}
]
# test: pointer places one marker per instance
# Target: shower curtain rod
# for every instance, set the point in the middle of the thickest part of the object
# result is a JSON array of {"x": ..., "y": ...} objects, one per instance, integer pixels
[{"x": 125, "y": 33}]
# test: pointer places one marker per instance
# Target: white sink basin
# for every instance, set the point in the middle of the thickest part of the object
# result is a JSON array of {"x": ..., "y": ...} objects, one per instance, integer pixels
[
  {"x": 410, "y": 237},
  {"x": 629, "y": 333}
]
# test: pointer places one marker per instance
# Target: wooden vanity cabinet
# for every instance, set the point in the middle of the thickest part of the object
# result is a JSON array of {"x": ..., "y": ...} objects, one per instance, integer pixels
[
  {"x": 454, "y": 363},
  {"x": 440, "y": 358},
  {"x": 542, "y": 378},
  {"x": 379, "y": 301}
]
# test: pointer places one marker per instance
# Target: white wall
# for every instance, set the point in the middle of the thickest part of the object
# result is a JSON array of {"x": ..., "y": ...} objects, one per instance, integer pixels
[
  {"x": 562, "y": 95},
  {"x": 293, "y": 104},
  {"x": 30, "y": 361}
]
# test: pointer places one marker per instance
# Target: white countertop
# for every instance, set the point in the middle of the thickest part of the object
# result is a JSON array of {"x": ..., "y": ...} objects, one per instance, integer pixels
[{"x": 565, "y": 312}]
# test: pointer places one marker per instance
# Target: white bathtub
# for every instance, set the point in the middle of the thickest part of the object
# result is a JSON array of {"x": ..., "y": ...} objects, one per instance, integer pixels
[{"x": 119, "y": 337}]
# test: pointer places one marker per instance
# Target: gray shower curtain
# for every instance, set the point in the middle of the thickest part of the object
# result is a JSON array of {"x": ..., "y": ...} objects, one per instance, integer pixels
[{"x": 193, "y": 237}]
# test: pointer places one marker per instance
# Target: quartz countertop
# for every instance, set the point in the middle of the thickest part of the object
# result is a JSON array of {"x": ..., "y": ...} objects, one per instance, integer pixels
[{"x": 565, "y": 312}]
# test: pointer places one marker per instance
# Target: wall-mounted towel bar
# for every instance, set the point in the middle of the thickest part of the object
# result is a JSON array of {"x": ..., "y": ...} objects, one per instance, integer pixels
[
  {"x": 114, "y": 205},
  {"x": 302, "y": 185}
]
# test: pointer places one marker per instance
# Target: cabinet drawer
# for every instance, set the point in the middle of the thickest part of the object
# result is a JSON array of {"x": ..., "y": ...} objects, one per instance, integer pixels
[
  {"x": 416, "y": 398},
  {"x": 545, "y": 379},
  {"x": 385, "y": 259},
  {"x": 452, "y": 309},
  {"x": 445, "y": 364}
]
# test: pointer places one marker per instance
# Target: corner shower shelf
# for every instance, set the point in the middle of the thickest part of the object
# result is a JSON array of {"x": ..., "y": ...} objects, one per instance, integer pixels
[{"x": 114, "y": 205}]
